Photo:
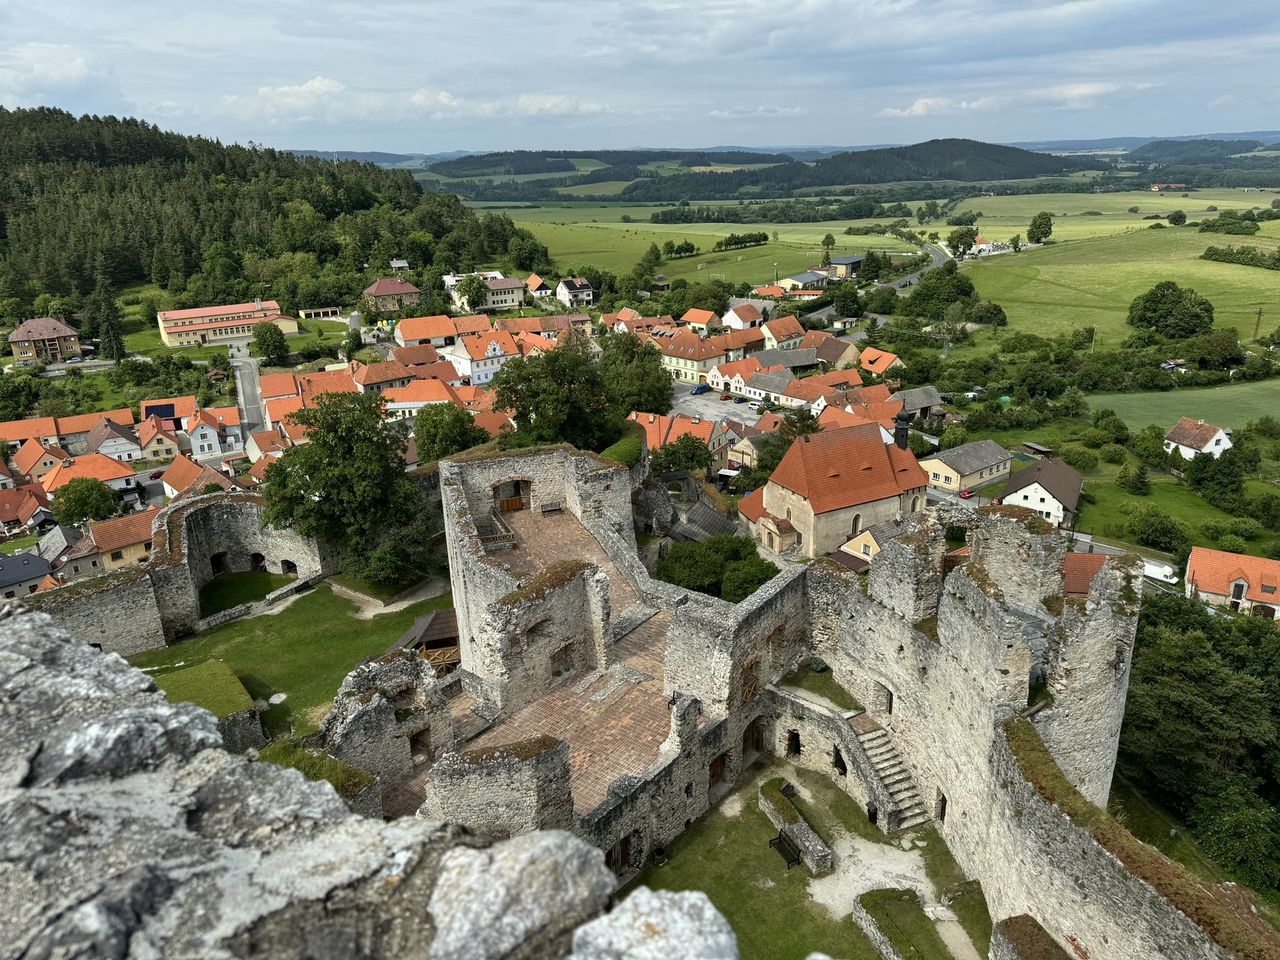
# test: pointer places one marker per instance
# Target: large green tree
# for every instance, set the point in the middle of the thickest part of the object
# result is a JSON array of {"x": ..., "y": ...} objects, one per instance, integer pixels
[
  {"x": 961, "y": 240},
  {"x": 441, "y": 429},
  {"x": 347, "y": 484},
  {"x": 684, "y": 453},
  {"x": 83, "y": 498},
  {"x": 558, "y": 396},
  {"x": 1040, "y": 228},
  {"x": 271, "y": 344},
  {"x": 634, "y": 377},
  {"x": 473, "y": 291},
  {"x": 1171, "y": 311}
]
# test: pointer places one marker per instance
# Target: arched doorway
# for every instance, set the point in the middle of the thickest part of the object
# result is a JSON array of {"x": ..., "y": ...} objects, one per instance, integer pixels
[
  {"x": 289, "y": 568},
  {"x": 218, "y": 563},
  {"x": 257, "y": 563},
  {"x": 855, "y": 527}
]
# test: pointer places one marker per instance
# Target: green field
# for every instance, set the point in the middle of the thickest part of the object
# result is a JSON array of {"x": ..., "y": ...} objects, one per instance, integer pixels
[
  {"x": 304, "y": 651},
  {"x": 1066, "y": 286},
  {"x": 232, "y": 589},
  {"x": 1230, "y": 405}
]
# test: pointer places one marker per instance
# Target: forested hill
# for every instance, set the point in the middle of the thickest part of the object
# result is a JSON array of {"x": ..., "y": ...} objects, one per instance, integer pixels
[
  {"x": 88, "y": 203},
  {"x": 523, "y": 162},
  {"x": 946, "y": 160},
  {"x": 1190, "y": 151}
]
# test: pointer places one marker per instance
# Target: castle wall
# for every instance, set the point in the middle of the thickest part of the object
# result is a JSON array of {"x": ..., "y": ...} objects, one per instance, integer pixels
[
  {"x": 503, "y": 792},
  {"x": 118, "y": 611}
]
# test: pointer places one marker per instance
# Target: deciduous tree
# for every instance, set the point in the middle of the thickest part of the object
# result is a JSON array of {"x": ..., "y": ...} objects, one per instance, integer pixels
[
  {"x": 558, "y": 396},
  {"x": 441, "y": 429},
  {"x": 1041, "y": 227},
  {"x": 684, "y": 453},
  {"x": 1172, "y": 311},
  {"x": 83, "y": 498},
  {"x": 271, "y": 344}
]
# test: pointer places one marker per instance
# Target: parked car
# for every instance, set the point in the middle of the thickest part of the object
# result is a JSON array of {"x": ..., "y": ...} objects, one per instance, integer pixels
[
  {"x": 75, "y": 359},
  {"x": 700, "y": 389},
  {"x": 966, "y": 494},
  {"x": 756, "y": 404},
  {"x": 739, "y": 399},
  {"x": 155, "y": 474},
  {"x": 724, "y": 396}
]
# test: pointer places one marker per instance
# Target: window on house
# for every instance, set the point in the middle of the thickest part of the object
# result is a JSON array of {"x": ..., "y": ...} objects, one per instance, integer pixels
[{"x": 117, "y": 554}]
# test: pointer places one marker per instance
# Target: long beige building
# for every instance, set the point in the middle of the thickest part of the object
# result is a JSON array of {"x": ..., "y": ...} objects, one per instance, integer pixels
[{"x": 199, "y": 326}]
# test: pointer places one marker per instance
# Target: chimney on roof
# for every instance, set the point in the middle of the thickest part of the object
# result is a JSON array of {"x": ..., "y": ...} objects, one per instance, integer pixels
[{"x": 902, "y": 430}]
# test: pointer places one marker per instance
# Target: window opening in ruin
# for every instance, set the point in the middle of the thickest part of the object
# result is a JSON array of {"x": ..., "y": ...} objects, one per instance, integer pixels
[
  {"x": 218, "y": 563},
  {"x": 420, "y": 745},
  {"x": 719, "y": 769},
  {"x": 837, "y": 762},
  {"x": 562, "y": 660},
  {"x": 793, "y": 743},
  {"x": 882, "y": 701},
  {"x": 750, "y": 680},
  {"x": 257, "y": 563},
  {"x": 873, "y": 813},
  {"x": 512, "y": 495},
  {"x": 688, "y": 789},
  {"x": 753, "y": 738},
  {"x": 940, "y": 808},
  {"x": 289, "y": 568},
  {"x": 618, "y": 857}
]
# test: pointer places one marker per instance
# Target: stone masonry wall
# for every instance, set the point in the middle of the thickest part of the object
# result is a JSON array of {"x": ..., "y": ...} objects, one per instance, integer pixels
[
  {"x": 128, "y": 828},
  {"x": 118, "y": 612},
  {"x": 503, "y": 792}
]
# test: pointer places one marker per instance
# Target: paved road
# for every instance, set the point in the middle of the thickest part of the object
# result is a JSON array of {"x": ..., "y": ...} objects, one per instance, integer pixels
[
  {"x": 248, "y": 393},
  {"x": 939, "y": 258},
  {"x": 709, "y": 406}
]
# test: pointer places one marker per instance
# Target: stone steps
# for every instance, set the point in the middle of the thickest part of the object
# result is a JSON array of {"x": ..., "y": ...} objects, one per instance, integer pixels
[{"x": 896, "y": 779}]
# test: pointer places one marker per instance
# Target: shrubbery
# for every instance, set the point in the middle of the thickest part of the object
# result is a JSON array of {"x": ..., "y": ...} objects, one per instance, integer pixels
[{"x": 726, "y": 567}]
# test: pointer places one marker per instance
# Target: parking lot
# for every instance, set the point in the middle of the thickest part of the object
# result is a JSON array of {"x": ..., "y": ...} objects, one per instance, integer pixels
[{"x": 709, "y": 406}]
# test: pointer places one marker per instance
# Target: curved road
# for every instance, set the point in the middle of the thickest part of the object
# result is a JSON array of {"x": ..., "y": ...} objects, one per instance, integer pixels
[{"x": 939, "y": 257}]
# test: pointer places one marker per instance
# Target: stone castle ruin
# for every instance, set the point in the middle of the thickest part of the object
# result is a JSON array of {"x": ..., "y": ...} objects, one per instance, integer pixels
[
  {"x": 595, "y": 699},
  {"x": 194, "y": 540}
]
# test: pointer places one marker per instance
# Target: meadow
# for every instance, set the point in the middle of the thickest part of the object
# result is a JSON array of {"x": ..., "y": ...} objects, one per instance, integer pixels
[{"x": 1230, "y": 405}]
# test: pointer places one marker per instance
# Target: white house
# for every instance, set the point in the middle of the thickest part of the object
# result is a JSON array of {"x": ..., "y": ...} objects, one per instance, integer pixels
[
  {"x": 1190, "y": 437},
  {"x": 478, "y": 358},
  {"x": 742, "y": 317},
  {"x": 574, "y": 292},
  {"x": 1050, "y": 488},
  {"x": 114, "y": 440}
]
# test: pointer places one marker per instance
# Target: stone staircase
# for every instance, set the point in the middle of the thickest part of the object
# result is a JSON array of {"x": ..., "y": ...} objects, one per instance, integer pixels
[{"x": 884, "y": 756}]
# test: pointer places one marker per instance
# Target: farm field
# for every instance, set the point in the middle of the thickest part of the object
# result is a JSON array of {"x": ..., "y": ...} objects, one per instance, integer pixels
[
  {"x": 1065, "y": 286},
  {"x": 1230, "y": 405}
]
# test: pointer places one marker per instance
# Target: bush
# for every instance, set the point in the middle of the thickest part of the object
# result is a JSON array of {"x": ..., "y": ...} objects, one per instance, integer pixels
[
  {"x": 626, "y": 451},
  {"x": 1134, "y": 480},
  {"x": 723, "y": 566},
  {"x": 1080, "y": 458},
  {"x": 1152, "y": 527},
  {"x": 1232, "y": 544},
  {"x": 1094, "y": 438},
  {"x": 1112, "y": 453},
  {"x": 1245, "y": 527}
]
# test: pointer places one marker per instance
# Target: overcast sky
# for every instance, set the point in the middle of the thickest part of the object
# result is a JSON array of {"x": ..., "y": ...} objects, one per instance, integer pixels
[{"x": 441, "y": 75}]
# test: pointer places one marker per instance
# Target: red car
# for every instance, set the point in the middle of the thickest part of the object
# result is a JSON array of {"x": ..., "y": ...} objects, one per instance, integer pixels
[
  {"x": 724, "y": 396},
  {"x": 155, "y": 475},
  {"x": 966, "y": 494}
]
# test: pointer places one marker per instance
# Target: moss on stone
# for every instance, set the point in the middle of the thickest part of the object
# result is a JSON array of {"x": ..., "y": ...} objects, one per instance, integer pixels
[
  {"x": 771, "y": 790},
  {"x": 349, "y": 781},
  {"x": 1029, "y": 940},
  {"x": 929, "y": 627},
  {"x": 521, "y": 750},
  {"x": 549, "y": 578},
  {"x": 1053, "y": 603}
]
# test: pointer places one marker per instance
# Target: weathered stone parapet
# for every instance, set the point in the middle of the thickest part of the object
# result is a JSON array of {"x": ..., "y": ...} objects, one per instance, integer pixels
[
  {"x": 660, "y": 925},
  {"x": 1005, "y": 540},
  {"x": 503, "y": 791},
  {"x": 906, "y": 576},
  {"x": 126, "y": 823},
  {"x": 117, "y": 612},
  {"x": 242, "y": 731},
  {"x": 814, "y": 852}
]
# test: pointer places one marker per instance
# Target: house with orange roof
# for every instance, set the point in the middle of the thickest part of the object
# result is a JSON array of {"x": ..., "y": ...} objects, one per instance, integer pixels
[
  {"x": 530, "y": 344},
  {"x": 833, "y": 352},
  {"x": 437, "y": 331},
  {"x": 770, "y": 291},
  {"x": 1236, "y": 581},
  {"x": 7, "y": 479},
  {"x": 391, "y": 293},
  {"x": 538, "y": 288},
  {"x": 831, "y": 485},
  {"x": 699, "y": 321},
  {"x": 660, "y": 430},
  {"x": 32, "y": 428},
  {"x": 273, "y": 385},
  {"x": 405, "y": 402},
  {"x": 877, "y": 361},
  {"x": 174, "y": 412},
  {"x": 213, "y": 432},
  {"x": 35, "y": 459},
  {"x": 494, "y": 422},
  {"x": 377, "y": 377},
  {"x": 782, "y": 333},
  {"x": 734, "y": 376},
  {"x": 479, "y": 357},
  {"x": 73, "y": 432},
  {"x": 179, "y": 475},
  {"x": 325, "y": 381},
  {"x": 1193, "y": 437},
  {"x": 276, "y": 410},
  {"x": 95, "y": 466},
  {"x": 115, "y": 441},
  {"x": 688, "y": 356},
  {"x": 20, "y": 505},
  {"x": 743, "y": 317},
  {"x": 419, "y": 355},
  {"x": 156, "y": 442},
  {"x": 738, "y": 344},
  {"x": 111, "y": 545},
  {"x": 221, "y": 324}
]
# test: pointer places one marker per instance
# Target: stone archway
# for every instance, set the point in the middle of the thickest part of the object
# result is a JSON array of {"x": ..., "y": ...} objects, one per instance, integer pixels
[
  {"x": 258, "y": 563},
  {"x": 289, "y": 568}
]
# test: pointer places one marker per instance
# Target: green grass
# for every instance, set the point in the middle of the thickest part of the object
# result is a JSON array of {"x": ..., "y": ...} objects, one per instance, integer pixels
[
  {"x": 902, "y": 919},
  {"x": 964, "y": 896},
  {"x": 1086, "y": 282},
  {"x": 304, "y": 651},
  {"x": 19, "y": 544},
  {"x": 144, "y": 338},
  {"x": 212, "y": 685},
  {"x": 229, "y": 590},
  {"x": 821, "y": 683},
  {"x": 379, "y": 591},
  {"x": 314, "y": 765},
  {"x": 767, "y": 905},
  {"x": 1229, "y": 405},
  {"x": 832, "y": 809}
]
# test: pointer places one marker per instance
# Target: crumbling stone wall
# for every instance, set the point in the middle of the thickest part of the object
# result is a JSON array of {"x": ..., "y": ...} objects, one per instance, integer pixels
[
  {"x": 389, "y": 716},
  {"x": 117, "y": 612},
  {"x": 129, "y": 828},
  {"x": 505, "y": 791}
]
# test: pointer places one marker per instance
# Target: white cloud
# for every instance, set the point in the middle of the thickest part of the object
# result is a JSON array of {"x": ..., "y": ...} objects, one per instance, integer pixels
[
  {"x": 32, "y": 71},
  {"x": 762, "y": 112},
  {"x": 1070, "y": 96}
]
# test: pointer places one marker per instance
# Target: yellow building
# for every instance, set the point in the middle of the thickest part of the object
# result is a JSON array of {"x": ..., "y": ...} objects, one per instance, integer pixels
[
  {"x": 43, "y": 340},
  {"x": 111, "y": 545},
  {"x": 220, "y": 325},
  {"x": 967, "y": 466}
]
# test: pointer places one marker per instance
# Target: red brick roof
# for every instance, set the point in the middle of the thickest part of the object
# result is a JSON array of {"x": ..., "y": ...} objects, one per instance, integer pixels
[
  {"x": 876, "y": 361},
  {"x": 659, "y": 430},
  {"x": 494, "y": 422},
  {"x": 181, "y": 473},
  {"x": 784, "y": 328},
  {"x": 278, "y": 385},
  {"x": 1078, "y": 571},
  {"x": 422, "y": 391},
  {"x": 32, "y": 452},
  {"x": 152, "y": 427},
  {"x": 1195, "y": 434},
  {"x": 474, "y": 323},
  {"x": 1214, "y": 571},
  {"x": 95, "y": 466},
  {"x": 752, "y": 505},
  {"x": 701, "y": 317},
  {"x": 477, "y": 345},
  {"x": 20, "y": 503},
  {"x": 426, "y": 328},
  {"x": 183, "y": 407},
  {"x": 388, "y": 371},
  {"x": 213, "y": 313},
  {"x": 415, "y": 356},
  {"x": 41, "y": 328},
  {"x": 126, "y": 531},
  {"x": 842, "y": 468},
  {"x": 747, "y": 313}
]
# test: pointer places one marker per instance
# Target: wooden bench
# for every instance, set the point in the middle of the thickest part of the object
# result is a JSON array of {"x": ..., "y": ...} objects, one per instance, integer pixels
[
  {"x": 787, "y": 847},
  {"x": 551, "y": 508}
]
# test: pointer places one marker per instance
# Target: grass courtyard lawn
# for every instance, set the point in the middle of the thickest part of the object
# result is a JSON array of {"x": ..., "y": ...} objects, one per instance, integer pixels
[
  {"x": 229, "y": 590},
  {"x": 1080, "y": 283},
  {"x": 212, "y": 685},
  {"x": 823, "y": 683},
  {"x": 1229, "y": 405},
  {"x": 901, "y": 918},
  {"x": 17, "y": 544},
  {"x": 144, "y": 338},
  {"x": 767, "y": 905},
  {"x": 964, "y": 895},
  {"x": 303, "y": 651},
  {"x": 379, "y": 591}
]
